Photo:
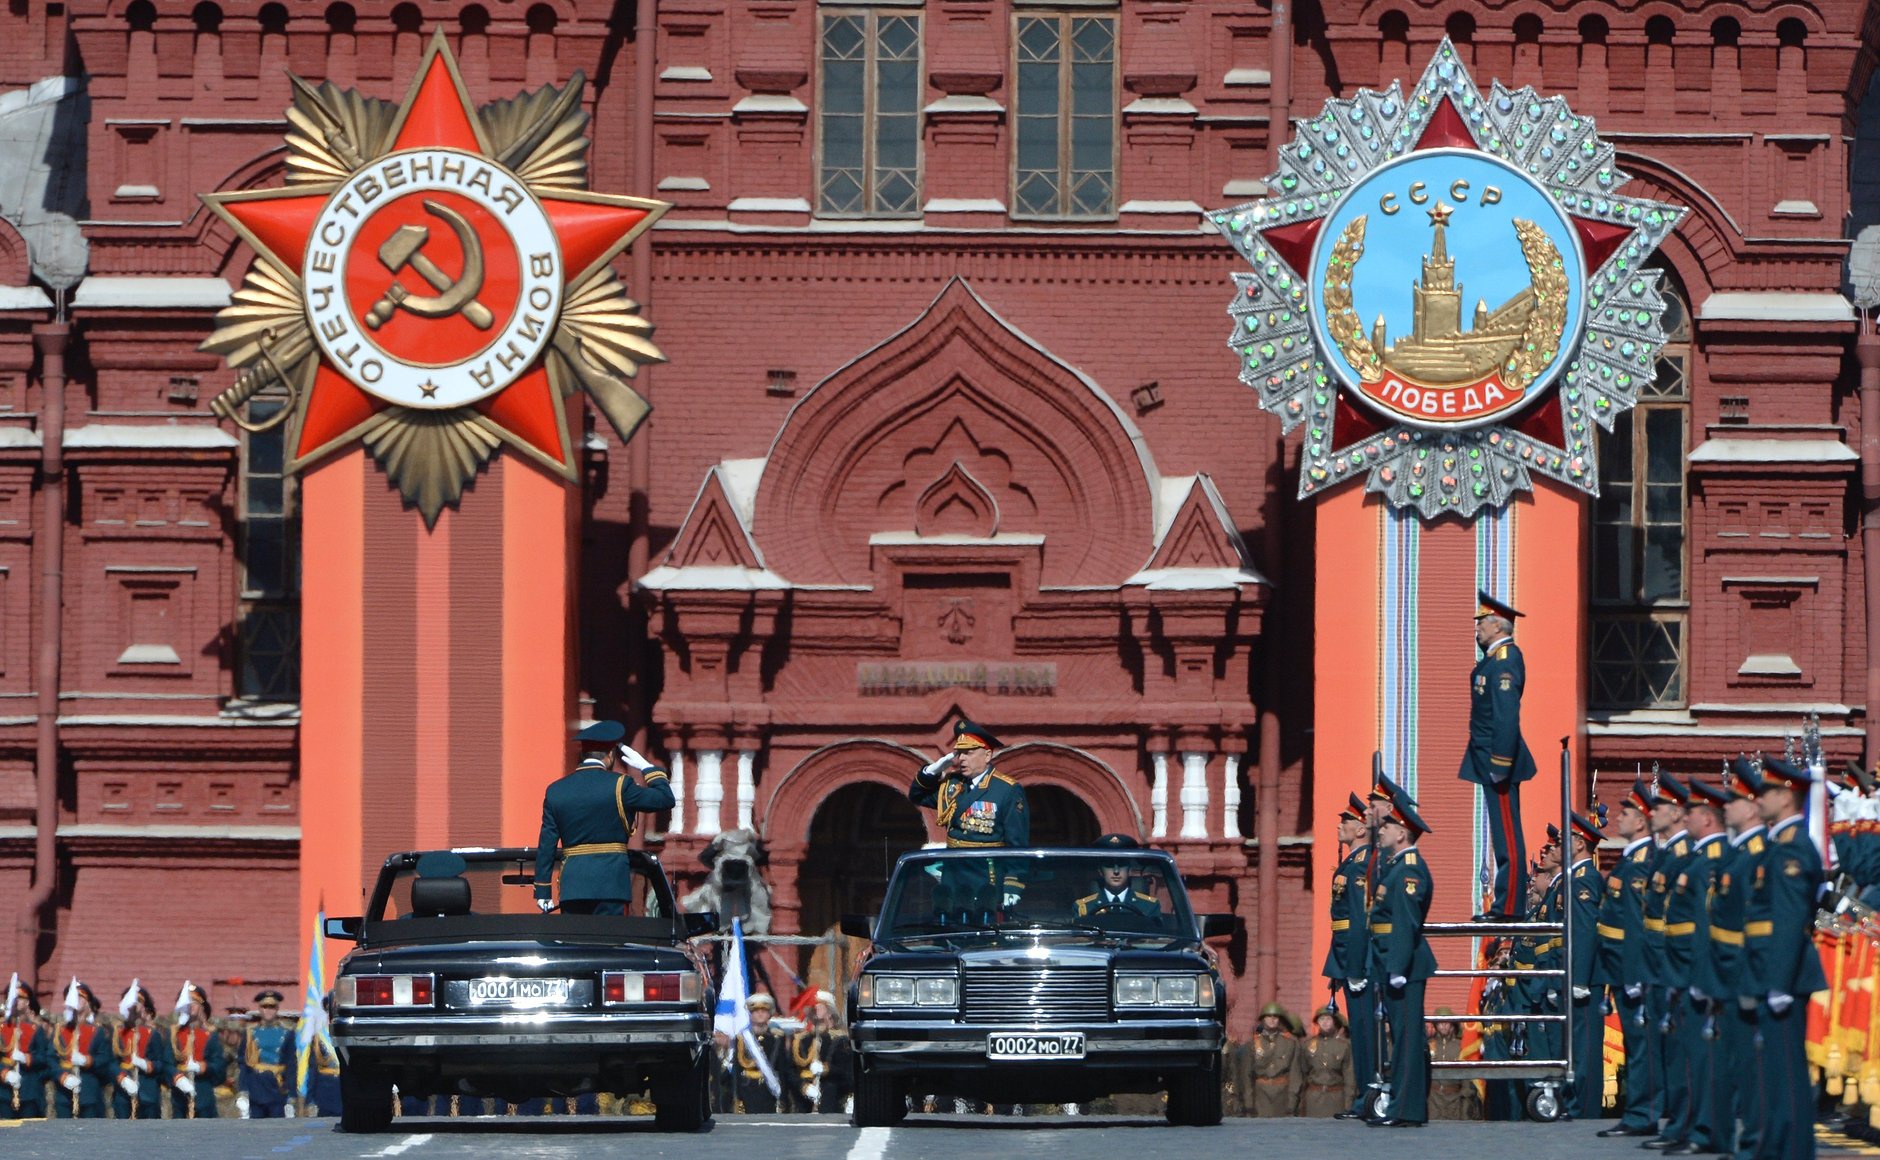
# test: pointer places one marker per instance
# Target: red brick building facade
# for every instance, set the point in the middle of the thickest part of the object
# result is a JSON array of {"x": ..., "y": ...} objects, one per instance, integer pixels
[{"x": 948, "y": 427}]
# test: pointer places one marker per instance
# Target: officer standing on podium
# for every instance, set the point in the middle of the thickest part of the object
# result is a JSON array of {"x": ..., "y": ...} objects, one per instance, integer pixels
[
  {"x": 1497, "y": 759},
  {"x": 589, "y": 815},
  {"x": 1402, "y": 962},
  {"x": 1348, "y": 960}
]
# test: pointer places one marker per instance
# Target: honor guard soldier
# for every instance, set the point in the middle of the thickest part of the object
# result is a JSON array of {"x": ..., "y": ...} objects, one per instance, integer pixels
[
  {"x": 1497, "y": 758},
  {"x": 143, "y": 1056},
  {"x": 1401, "y": 958},
  {"x": 1331, "y": 1079},
  {"x": 1667, "y": 1006},
  {"x": 760, "y": 1060},
  {"x": 26, "y": 1055},
  {"x": 1621, "y": 964},
  {"x": 87, "y": 1067},
  {"x": 1784, "y": 968},
  {"x": 1114, "y": 894},
  {"x": 973, "y": 802},
  {"x": 820, "y": 1059},
  {"x": 589, "y": 815},
  {"x": 1735, "y": 1103},
  {"x": 197, "y": 1061},
  {"x": 323, "y": 1074},
  {"x": 1689, "y": 971},
  {"x": 1589, "y": 1026},
  {"x": 1347, "y": 960},
  {"x": 267, "y": 1053},
  {"x": 1278, "y": 1066},
  {"x": 1546, "y": 995}
]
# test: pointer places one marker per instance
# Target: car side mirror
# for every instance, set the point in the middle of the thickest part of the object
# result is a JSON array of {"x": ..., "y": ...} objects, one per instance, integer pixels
[
  {"x": 858, "y": 926},
  {"x": 698, "y": 922},
  {"x": 345, "y": 928},
  {"x": 1218, "y": 925}
]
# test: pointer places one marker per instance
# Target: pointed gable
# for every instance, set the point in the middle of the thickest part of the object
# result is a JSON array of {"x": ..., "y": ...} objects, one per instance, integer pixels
[
  {"x": 1197, "y": 544},
  {"x": 714, "y": 535}
]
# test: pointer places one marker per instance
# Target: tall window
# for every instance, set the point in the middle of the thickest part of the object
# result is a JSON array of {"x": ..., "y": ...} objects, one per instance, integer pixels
[
  {"x": 1641, "y": 598},
  {"x": 1064, "y": 162},
  {"x": 269, "y": 664},
  {"x": 870, "y": 115}
]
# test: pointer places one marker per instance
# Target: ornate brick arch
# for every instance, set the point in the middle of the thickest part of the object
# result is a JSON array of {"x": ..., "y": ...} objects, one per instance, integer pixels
[
  {"x": 961, "y": 388},
  {"x": 802, "y": 791},
  {"x": 16, "y": 268},
  {"x": 1092, "y": 780},
  {"x": 1705, "y": 243}
]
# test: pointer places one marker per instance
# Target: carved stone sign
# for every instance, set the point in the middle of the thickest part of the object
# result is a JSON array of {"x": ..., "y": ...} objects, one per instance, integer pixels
[{"x": 918, "y": 678}]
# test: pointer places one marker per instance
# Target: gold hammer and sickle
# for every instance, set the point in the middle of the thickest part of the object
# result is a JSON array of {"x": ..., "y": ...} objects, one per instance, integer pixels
[{"x": 454, "y": 295}]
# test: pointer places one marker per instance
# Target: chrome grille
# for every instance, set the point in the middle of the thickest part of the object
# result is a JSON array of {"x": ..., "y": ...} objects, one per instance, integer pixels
[{"x": 1038, "y": 994}]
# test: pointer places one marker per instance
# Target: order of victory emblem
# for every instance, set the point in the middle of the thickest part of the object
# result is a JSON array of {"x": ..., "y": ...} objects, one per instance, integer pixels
[
  {"x": 1448, "y": 292},
  {"x": 434, "y": 282}
]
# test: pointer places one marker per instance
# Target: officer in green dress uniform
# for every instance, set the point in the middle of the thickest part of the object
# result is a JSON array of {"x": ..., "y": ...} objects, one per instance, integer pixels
[
  {"x": 1497, "y": 758},
  {"x": 143, "y": 1055},
  {"x": 1348, "y": 959},
  {"x": 1784, "y": 969},
  {"x": 589, "y": 815},
  {"x": 1545, "y": 995},
  {"x": 195, "y": 1056},
  {"x": 1689, "y": 971},
  {"x": 1737, "y": 1105},
  {"x": 1621, "y": 962},
  {"x": 976, "y": 806},
  {"x": 1114, "y": 895},
  {"x": 1667, "y": 1005},
  {"x": 1502, "y": 1097},
  {"x": 87, "y": 1067},
  {"x": 1402, "y": 962},
  {"x": 26, "y": 1056},
  {"x": 267, "y": 1054},
  {"x": 1589, "y": 1025}
]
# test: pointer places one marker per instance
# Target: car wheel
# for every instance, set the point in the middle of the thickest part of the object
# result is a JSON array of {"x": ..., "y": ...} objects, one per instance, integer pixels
[
  {"x": 1194, "y": 1099},
  {"x": 879, "y": 1101},
  {"x": 365, "y": 1101},
  {"x": 686, "y": 1106}
]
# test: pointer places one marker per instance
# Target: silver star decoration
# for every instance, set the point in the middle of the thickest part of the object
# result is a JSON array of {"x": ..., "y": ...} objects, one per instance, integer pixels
[{"x": 1448, "y": 471}]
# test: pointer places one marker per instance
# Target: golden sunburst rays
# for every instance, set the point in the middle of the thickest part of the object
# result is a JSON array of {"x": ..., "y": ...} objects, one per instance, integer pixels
[
  {"x": 333, "y": 132},
  {"x": 431, "y": 456},
  {"x": 602, "y": 342},
  {"x": 541, "y": 136}
]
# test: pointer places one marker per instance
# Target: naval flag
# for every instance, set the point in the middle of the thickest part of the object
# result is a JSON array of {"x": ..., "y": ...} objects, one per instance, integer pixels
[
  {"x": 733, "y": 1016},
  {"x": 313, "y": 1022}
]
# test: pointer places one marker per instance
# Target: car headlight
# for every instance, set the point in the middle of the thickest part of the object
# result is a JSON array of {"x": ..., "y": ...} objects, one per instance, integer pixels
[
  {"x": 1160, "y": 990},
  {"x": 909, "y": 991}
]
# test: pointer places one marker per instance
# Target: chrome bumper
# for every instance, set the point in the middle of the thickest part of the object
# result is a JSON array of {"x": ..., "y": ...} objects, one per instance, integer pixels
[
  {"x": 533, "y": 1030},
  {"x": 967, "y": 1041}
]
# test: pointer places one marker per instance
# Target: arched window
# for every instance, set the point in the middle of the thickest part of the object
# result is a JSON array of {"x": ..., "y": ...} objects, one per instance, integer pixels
[
  {"x": 1641, "y": 594},
  {"x": 268, "y": 664}
]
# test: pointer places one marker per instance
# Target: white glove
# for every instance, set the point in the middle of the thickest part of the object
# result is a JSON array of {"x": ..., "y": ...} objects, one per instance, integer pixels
[
  {"x": 812, "y": 1091},
  {"x": 1356, "y": 985},
  {"x": 937, "y": 766},
  {"x": 11, "y": 1076},
  {"x": 1011, "y": 899},
  {"x": 80, "y": 1059},
  {"x": 1635, "y": 991},
  {"x": 816, "y": 1067},
  {"x": 1846, "y": 807},
  {"x": 128, "y": 1083},
  {"x": 193, "y": 1068},
  {"x": 1746, "y": 1002},
  {"x": 1697, "y": 993},
  {"x": 288, "y": 1112},
  {"x": 241, "y": 1104},
  {"x": 1553, "y": 997},
  {"x": 1779, "y": 1001},
  {"x": 1397, "y": 982},
  {"x": 139, "y": 1063},
  {"x": 545, "y": 904},
  {"x": 633, "y": 758},
  {"x": 185, "y": 1085},
  {"x": 69, "y": 1081},
  {"x": 1582, "y": 992}
]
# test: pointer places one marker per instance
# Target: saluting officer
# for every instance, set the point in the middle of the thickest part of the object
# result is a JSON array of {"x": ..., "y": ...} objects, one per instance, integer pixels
[
  {"x": 143, "y": 1054},
  {"x": 1621, "y": 962},
  {"x": 1589, "y": 1026},
  {"x": 1668, "y": 1005},
  {"x": 26, "y": 1055},
  {"x": 973, "y": 802},
  {"x": 1401, "y": 958},
  {"x": 1689, "y": 970},
  {"x": 196, "y": 1055},
  {"x": 1347, "y": 960},
  {"x": 1784, "y": 968},
  {"x": 589, "y": 814},
  {"x": 1737, "y": 1104},
  {"x": 86, "y": 1065},
  {"x": 1497, "y": 758}
]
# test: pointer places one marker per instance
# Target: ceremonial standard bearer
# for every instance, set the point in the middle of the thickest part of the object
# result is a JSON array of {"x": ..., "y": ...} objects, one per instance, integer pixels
[
  {"x": 760, "y": 1056},
  {"x": 1348, "y": 959},
  {"x": 1401, "y": 959},
  {"x": 196, "y": 1054},
  {"x": 87, "y": 1068},
  {"x": 1620, "y": 963},
  {"x": 589, "y": 815},
  {"x": 143, "y": 1055},
  {"x": 1497, "y": 759},
  {"x": 26, "y": 1055},
  {"x": 1778, "y": 931}
]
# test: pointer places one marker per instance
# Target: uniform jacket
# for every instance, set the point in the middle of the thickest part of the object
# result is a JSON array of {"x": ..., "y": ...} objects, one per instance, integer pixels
[
  {"x": 84, "y": 1049},
  {"x": 1278, "y": 1074},
  {"x": 267, "y": 1055},
  {"x": 201, "y": 1045},
  {"x": 1134, "y": 901},
  {"x": 1496, "y": 752},
  {"x": 1331, "y": 1082},
  {"x": 1585, "y": 885},
  {"x": 1779, "y": 926},
  {"x": 1621, "y": 924},
  {"x": 747, "y": 1077},
  {"x": 1401, "y": 903},
  {"x": 1671, "y": 860},
  {"x": 831, "y": 1083},
  {"x": 1349, "y": 955},
  {"x": 144, "y": 1052},
  {"x": 593, "y": 807},
  {"x": 1687, "y": 918},
  {"x": 25, "y": 1047},
  {"x": 987, "y": 811},
  {"x": 1728, "y": 904}
]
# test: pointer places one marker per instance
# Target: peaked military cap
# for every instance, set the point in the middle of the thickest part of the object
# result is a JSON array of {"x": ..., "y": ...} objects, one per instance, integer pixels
[
  {"x": 1486, "y": 605},
  {"x": 1553, "y": 834},
  {"x": 1385, "y": 790},
  {"x": 1587, "y": 829},
  {"x": 268, "y": 999},
  {"x": 1666, "y": 790},
  {"x": 1745, "y": 778},
  {"x": 1118, "y": 842},
  {"x": 1639, "y": 796},
  {"x": 1355, "y": 810},
  {"x": 1403, "y": 809},
  {"x": 1704, "y": 794},
  {"x": 967, "y": 735},
  {"x": 1780, "y": 774},
  {"x": 761, "y": 1000},
  {"x": 1857, "y": 777},
  {"x": 601, "y": 734}
]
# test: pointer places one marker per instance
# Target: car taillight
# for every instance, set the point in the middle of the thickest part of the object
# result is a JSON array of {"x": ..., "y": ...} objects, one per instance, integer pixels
[
  {"x": 614, "y": 987},
  {"x": 386, "y": 991},
  {"x": 657, "y": 987}
]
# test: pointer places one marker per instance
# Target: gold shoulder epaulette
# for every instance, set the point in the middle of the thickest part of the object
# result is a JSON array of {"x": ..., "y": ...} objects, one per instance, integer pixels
[
  {"x": 1501, "y": 654},
  {"x": 1756, "y": 844},
  {"x": 1004, "y": 778},
  {"x": 1681, "y": 848},
  {"x": 1141, "y": 897},
  {"x": 1788, "y": 835},
  {"x": 1714, "y": 850},
  {"x": 1084, "y": 899},
  {"x": 1410, "y": 859}
]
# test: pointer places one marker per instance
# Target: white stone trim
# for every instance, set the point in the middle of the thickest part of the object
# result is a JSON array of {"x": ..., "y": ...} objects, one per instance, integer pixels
[
  {"x": 770, "y": 103},
  {"x": 1158, "y": 796},
  {"x": 1774, "y": 306},
  {"x": 964, "y": 103},
  {"x": 709, "y": 792},
  {"x": 963, "y": 205},
  {"x": 111, "y": 291},
  {"x": 1230, "y": 796},
  {"x": 675, "y": 777},
  {"x": 1247, "y": 76},
  {"x": 683, "y": 185},
  {"x": 24, "y": 298},
  {"x": 768, "y": 205},
  {"x": 686, "y": 72},
  {"x": 174, "y": 436},
  {"x": 1194, "y": 794},
  {"x": 747, "y": 786},
  {"x": 1725, "y": 449}
]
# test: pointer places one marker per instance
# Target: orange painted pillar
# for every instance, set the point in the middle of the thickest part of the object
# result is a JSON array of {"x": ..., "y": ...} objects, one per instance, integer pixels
[
  {"x": 437, "y": 669},
  {"x": 1394, "y": 643}
]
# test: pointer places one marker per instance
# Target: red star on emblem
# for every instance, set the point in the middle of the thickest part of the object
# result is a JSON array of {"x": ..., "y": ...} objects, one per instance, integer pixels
[{"x": 590, "y": 228}]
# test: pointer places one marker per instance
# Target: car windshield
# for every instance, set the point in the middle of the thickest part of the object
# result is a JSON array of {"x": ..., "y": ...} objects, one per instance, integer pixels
[
  {"x": 1087, "y": 892},
  {"x": 506, "y": 886}
]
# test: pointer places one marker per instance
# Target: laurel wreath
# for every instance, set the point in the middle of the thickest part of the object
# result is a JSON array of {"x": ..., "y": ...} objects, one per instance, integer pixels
[{"x": 1341, "y": 321}]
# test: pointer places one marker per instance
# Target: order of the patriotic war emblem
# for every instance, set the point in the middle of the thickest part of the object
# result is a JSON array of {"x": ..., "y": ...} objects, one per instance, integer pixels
[{"x": 1448, "y": 292}]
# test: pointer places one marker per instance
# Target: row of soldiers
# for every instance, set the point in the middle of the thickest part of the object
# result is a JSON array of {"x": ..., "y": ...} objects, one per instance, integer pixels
[
  {"x": 82, "y": 1066},
  {"x": 1283, "y": 1072}
]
